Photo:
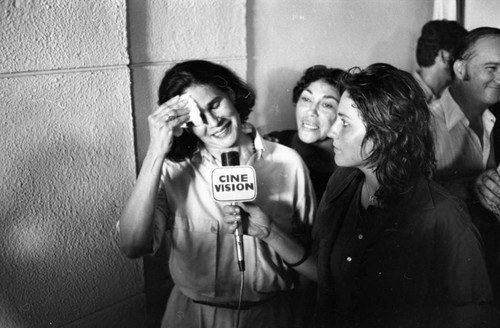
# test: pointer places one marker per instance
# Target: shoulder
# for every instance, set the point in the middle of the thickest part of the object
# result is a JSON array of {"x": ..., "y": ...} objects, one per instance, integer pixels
[
  {"x": 446, "y": 103},
  {"x": 284, "y": 137},
  {"x": 339, "y": 193},
  {"x": 172, "y": 168},
  {"x": 447, "y": 214},
  {"x": 340, "y": 180},
  {"x": 279, "y": 152}
]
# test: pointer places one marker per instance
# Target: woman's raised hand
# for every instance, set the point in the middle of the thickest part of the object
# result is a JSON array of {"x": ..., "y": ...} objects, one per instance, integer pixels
[{"x": 165, "y": 123}]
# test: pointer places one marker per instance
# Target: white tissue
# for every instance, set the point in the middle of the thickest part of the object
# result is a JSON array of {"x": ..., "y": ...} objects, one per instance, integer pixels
[{"x": 194, "y": 111}]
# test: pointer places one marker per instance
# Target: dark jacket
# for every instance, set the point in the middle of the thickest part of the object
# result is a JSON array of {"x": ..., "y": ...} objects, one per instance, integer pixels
[{"x": 417, "y": 262}]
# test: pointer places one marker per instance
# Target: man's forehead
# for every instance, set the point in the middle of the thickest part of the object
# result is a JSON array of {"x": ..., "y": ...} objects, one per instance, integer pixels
[{"x": 486, "y": 47}]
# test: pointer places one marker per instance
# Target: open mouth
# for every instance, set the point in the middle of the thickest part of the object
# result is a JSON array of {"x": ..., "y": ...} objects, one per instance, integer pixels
[
  {"x": 223, "y": 130},
  {"x": 309, "y": 126}
]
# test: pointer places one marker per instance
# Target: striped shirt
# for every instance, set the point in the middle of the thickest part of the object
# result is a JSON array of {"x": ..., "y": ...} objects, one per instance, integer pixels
[{"x": 459, "y": 151}]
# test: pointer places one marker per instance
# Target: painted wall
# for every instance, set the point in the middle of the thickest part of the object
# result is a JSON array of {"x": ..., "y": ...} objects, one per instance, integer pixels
[
  {"x": 165, "y": 32},
  {"x": 287, "y": 36},
  {"x": 479, "y": 13},
  {"x": 66, "y": 165}
]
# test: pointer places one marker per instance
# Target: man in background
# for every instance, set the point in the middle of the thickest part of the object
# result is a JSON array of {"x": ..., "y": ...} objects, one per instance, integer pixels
[
  {"x": 434, "y": 52},
  {"x": 464, "y": 147}
]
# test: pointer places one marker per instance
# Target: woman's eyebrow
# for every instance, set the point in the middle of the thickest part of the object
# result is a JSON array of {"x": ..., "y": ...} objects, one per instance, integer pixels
[
  {"x": 332, "y": 97},
  {"x": 210, "y": 104}
]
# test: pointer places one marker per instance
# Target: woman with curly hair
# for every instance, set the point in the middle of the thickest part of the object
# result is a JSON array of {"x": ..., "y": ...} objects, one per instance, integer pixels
[
  {"x": 393, "y": 248},
  {"x": 316, "y": 97},
  {"x": 202, "y": 114}
]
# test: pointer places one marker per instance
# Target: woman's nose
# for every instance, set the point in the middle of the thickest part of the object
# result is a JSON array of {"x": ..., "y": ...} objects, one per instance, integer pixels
[
  {"x": 313, "y": 109},
  {"x": 332, "y": 132},
  {"x": 210, "y": 119}
]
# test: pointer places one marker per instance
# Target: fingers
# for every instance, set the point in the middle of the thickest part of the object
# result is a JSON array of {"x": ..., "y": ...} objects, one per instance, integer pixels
[
  {"x": 231, "y": 209},
  {"x": 271, "y": 138},
  {"x": 232, "y": 216},
  {"x": 172, "y": 112},
  {"x": 248, "y": 207},
  {"x": 489, "y": 184},
  {"x": 487, "y": 190}
]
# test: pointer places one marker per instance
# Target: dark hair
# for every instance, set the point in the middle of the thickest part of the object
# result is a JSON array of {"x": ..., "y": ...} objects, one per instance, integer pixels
[
  {"x": 397, "y": 119},
  {"x": 438, "y": 35},
  {"x": 465, "y": 49},
  {"x": 315, "y": 73},
  {"x": 201, "y": 72}
]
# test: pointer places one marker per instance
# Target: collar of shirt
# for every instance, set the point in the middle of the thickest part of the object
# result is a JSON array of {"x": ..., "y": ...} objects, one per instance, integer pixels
[
  {"x": 246, "y": 128},
  {"x": 420, "y": 187},
  {"x": 429, "y": 94},
  {"x": 449, "y": 110},
  {"x": 453, "y": 115}
]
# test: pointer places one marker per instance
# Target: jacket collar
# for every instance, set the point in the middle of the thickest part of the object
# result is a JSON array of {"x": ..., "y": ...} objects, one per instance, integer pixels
[{"x": 417, "y": 197}]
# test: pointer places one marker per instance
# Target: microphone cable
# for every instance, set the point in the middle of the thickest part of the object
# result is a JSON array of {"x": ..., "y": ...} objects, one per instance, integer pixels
[
  {"x": 242, "y": 280},
  {"x": 232, "y": 158},
  {"x": 238, "y": 238}
]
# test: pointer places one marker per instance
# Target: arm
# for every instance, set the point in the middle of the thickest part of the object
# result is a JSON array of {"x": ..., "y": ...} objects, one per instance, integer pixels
[
  {"x": 137, "y": 218},
  {"x": 262, "y": 227},
  {"x": 465, "y": 278},
  {"x": 460, "y": 187}
]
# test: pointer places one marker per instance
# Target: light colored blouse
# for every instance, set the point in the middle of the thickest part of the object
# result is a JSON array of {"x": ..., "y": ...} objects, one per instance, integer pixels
[{"x": 202, "y": 254}]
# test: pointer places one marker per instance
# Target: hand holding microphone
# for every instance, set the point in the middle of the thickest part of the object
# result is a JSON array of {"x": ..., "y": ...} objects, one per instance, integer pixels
[
  {"x": 258, "y": 223},
  {"x": 233, "y": 183}
]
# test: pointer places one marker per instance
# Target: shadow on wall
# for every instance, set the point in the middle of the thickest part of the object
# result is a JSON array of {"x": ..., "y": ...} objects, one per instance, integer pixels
[
  {"x": 158, "y": 284},
  {"x": 65, "y": 172},
  {"x": 145, "y": 78}
]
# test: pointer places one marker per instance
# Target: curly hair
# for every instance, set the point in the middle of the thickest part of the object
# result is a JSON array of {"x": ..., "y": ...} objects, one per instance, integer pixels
[
  {"x": 438, "y": 35},
  {"x": 200, "y": 72},
  {"x": 315, "y": 73},
  {"x": 397, "y": 119}
]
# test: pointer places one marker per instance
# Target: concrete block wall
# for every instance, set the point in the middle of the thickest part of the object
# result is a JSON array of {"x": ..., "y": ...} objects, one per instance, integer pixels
[
  {"x": 66, "y": 165},
  {"x": 77, "y": 81}
]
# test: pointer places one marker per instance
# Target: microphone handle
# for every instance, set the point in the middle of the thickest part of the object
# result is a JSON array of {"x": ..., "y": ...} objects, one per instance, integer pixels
[
  {"x": 238, "y": 242},
  {"x": 232, "y": 158}
]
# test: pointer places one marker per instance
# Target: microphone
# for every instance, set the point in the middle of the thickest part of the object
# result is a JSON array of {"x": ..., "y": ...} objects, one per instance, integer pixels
[{"x": 232, "y": 158}]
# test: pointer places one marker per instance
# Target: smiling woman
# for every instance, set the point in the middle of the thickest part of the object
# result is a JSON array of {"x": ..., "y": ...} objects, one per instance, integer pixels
[
  {"x": 172, "y": 195},
  {"x": 316, "y": 96}
]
